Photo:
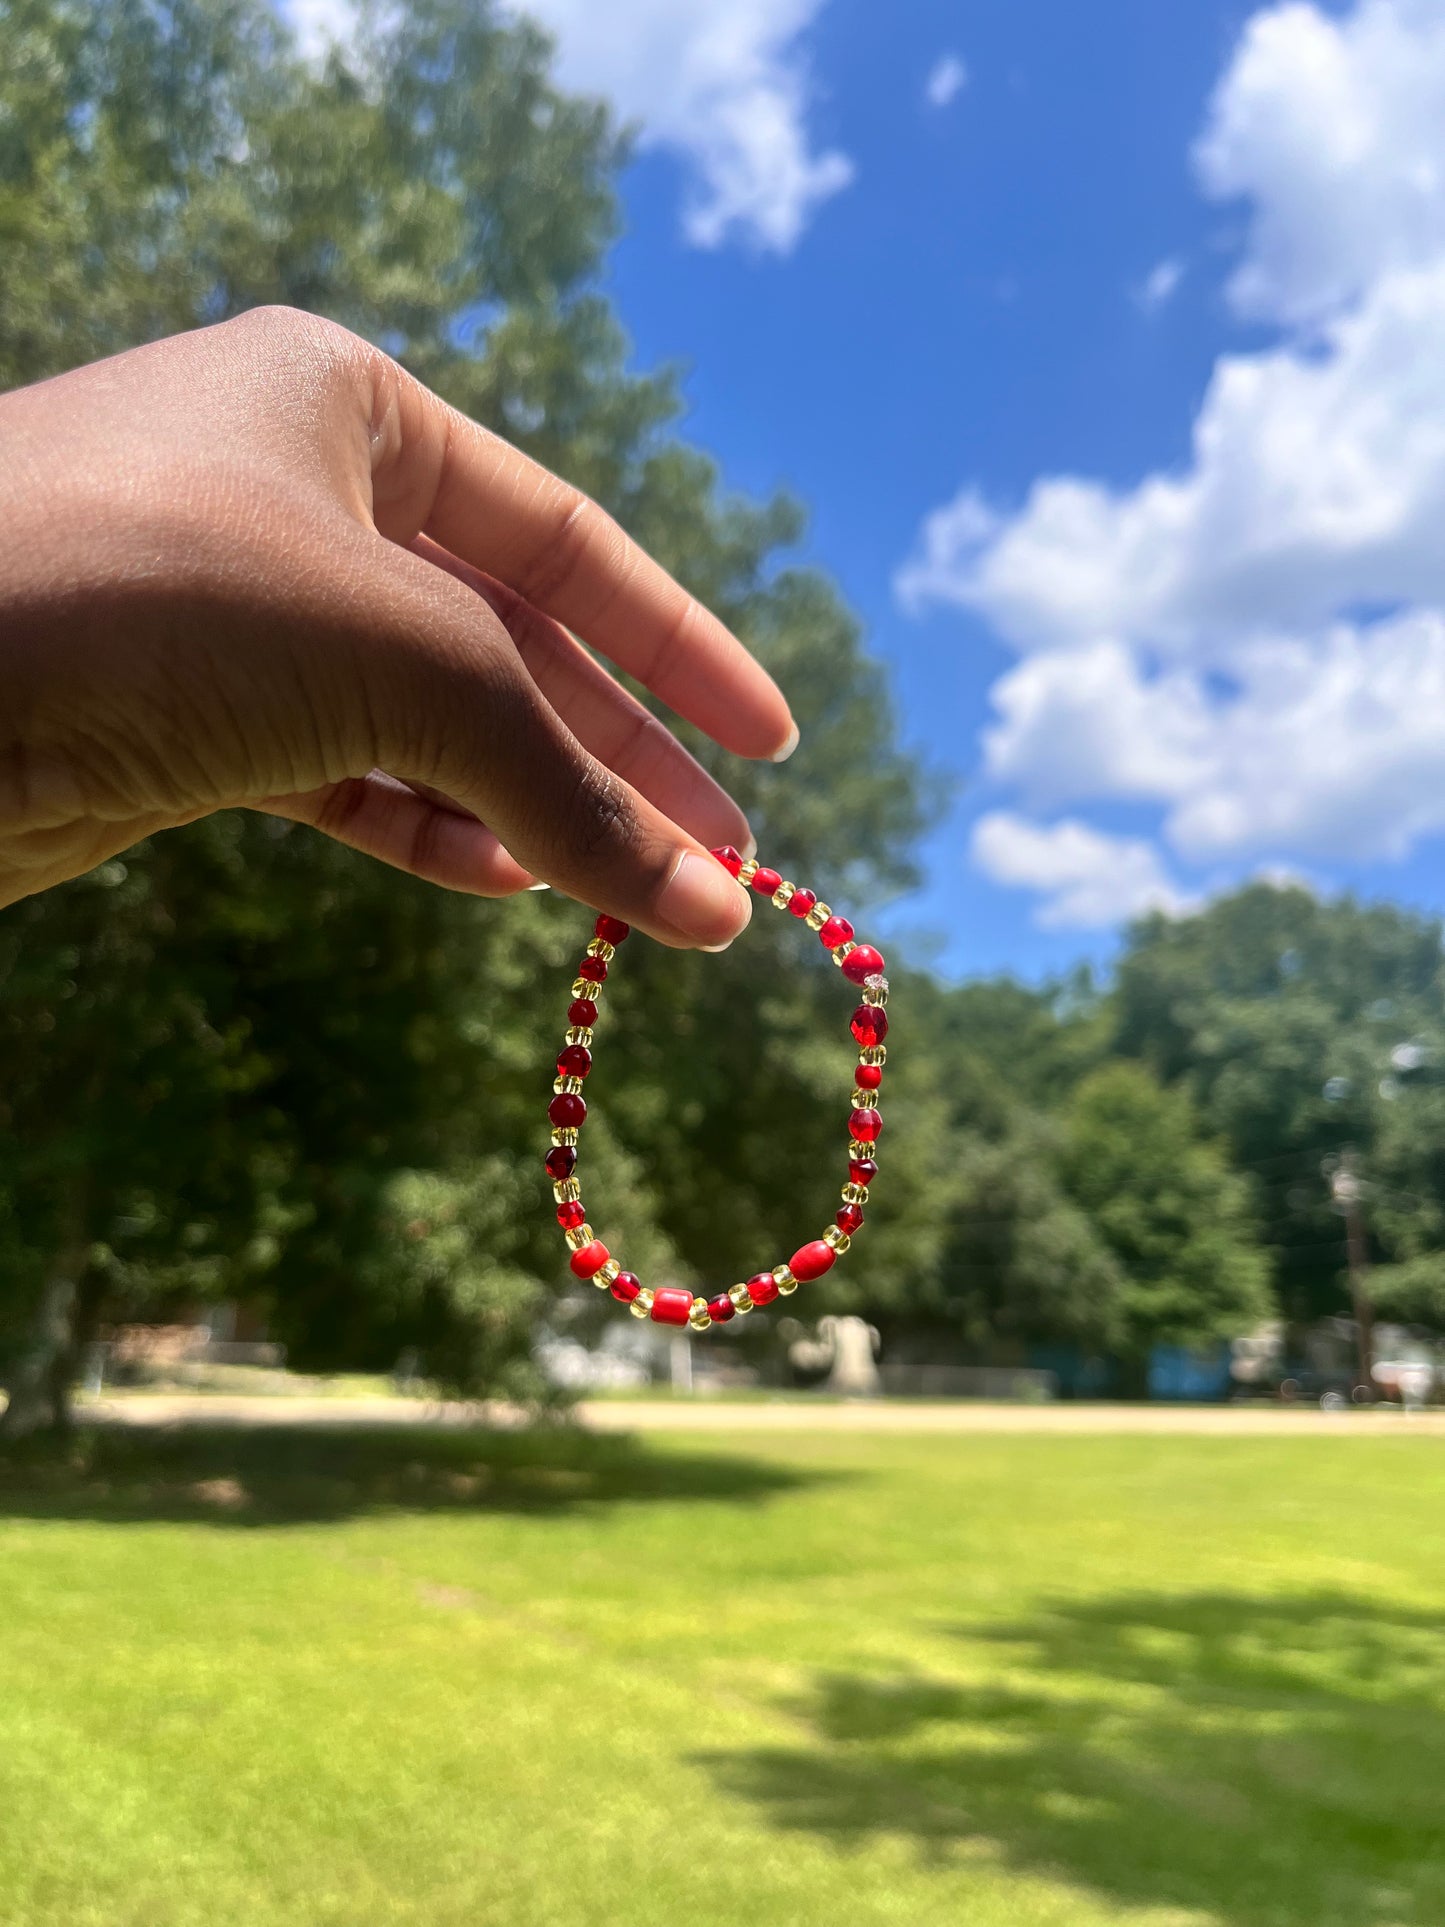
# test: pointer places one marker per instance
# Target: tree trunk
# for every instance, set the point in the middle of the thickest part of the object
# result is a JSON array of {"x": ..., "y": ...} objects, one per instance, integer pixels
[{"x": 40, "y": 1382}]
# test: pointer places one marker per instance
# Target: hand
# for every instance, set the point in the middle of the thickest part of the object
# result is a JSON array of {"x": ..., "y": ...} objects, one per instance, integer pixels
[{"x": 261, "y": 565}]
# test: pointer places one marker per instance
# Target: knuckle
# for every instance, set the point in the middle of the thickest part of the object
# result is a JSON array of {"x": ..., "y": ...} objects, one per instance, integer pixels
[
  {"x": 601, "y": 821},
  {"x": 579, "y": 536}
]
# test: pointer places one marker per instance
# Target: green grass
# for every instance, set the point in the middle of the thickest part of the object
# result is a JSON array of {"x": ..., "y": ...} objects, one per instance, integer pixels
[{"x": 828, "y": 1680}]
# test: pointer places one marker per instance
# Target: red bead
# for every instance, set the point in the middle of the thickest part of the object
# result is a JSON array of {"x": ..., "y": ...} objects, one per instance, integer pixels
[
  {"x": 835, "y": 931},
  {"x": 728, "y": 857},
  {"x": 625, "y": 1287},
  {"x": 587, "y": 1262},
  {"x": 862, "y": 962},
  {"x": 766, "y": 881},
  {"x": 574, "y": 1061},
  {"x": 850, "y": 1216},
  {"x": 811, "y": 1260},
  {"x": 866, "y": 1125},
  {"x": 671, "y": 1305},
  {"x": 801, "y": 902},
  {"x": 869, "y": 1025},
  {"x": 721, "y": 1309},
  {"x": 561, "y": 1162},
  {"x": 763, "y": 1289},
  {"x": 582, "y": 1013},
  {"x": 868, "y": 1076},
  {"x": 613, "y": 930},
  {"x": 571, "y": 1214},
  {"x": 862, "y": 1171},
  {"x": 567, "y": 1111},
  {"x": 593, "y": 969}
]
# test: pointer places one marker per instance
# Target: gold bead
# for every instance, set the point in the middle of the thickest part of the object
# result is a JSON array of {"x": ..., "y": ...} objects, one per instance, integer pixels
[
  {"x": 641, "y": 1306},
  {"x": 874, "y": 1054},
  {"x": 698, "y": 1315},
  {"x": 600, "y": 947},
  {"x": 741, "y": 1300},
  {"x": 875, "y": 991},
  {"x": 784, "y": 895},
  {"x": 840, "y": 951},
  {"x": 580, "y": 1034},
  {"x": 784, "y": 1279},
  {"x": 572, "y": 1085},
  {"x": 567, "y": 1191},
  {"x": 748, "y": 871},
  {"x": 856, "y": 1149},
  {"x": 855, "y": 1194},
  {"x": 583, "y": 1235},
  {"x": 839, "y": 1239},
  {"x": 584, "y": 987},
  {"x": 865, "y": 1100},
  {"x": 565, "y": 1134},
  {"x": 818, "y": 916},
  {"x": 608, "y": 1272}
]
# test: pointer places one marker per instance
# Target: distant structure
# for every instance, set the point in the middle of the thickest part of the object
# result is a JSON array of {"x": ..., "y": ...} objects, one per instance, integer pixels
[{"x": 847, "y": 1348}]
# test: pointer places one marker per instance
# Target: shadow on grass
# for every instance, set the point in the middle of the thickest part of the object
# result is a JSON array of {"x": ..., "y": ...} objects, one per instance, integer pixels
[
  {"x": 230, "y": 1475},
  {"x": 1269, "y": 1762}
]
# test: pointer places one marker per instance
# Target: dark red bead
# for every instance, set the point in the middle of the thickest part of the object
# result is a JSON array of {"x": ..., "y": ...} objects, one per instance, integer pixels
[
  {"x": 835, "y": 931},
  {"x": 862, "y": 1171},
  {"x": 728, "y": 857},
  {"x": 811, "y": 1260},
  {"x": 561, "y": 1162},
  {"x": 671, "y": 1305},
  {"x": 613, "y": 930},
  {"x": 869, "y": 1025},
  {"x": 763, "y": 1288},
  {"x": 866, "y": 1125},
  {"x": 567, "y": 1111},
  {"x": 862, "y": 962},
  {"x": 582, "y": 1013},
  {"x": 571, "y": 1214},
  {"x": 721, "y": 1309},
  {"x": 765, "y": 882},
  {"x": 850, "y": 1216},
  {"x": 868, "y": 1076},
  {"x": 801, "y": 902},
  {"x": 593, "y": 969},
  {"x": 625, "y": 1287},
  {"x": 587, "y": 1262},
  {"x": 574, "y": 1061}
]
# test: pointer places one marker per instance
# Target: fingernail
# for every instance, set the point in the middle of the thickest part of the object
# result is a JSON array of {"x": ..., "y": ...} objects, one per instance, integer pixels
[
  {"x": 750, "y": 848},
  {"x": 782, "y": 755},
  {"x": 539, "y": 886},
  {"x": 702, "y": 903}
]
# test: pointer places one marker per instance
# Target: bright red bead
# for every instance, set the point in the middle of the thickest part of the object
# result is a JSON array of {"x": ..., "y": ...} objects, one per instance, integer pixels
[
  {"x": 862, "y": 1171},
  {"x": 721, "y": 1309},
  {"x": 561, "y": 1162},
  {"x": 850, "y": 1216},
  {"x": 571, "y": 1214},
  {"x": 861, "y": 963},
  {"x": 865, "y": 1125},
  {"x": 613, "y": 930},
  {"x": 869, "y": 1025},
  {"x": 625, "y": 1287},
  {"x": 801, "y": 902},
  {"x": 766, "y": 881},
  {"x": 835, "y": 931},
  {"x": 567, "y": 1111},
  {"x": 671, "y": 1305},
  {"x": 574, "y": 1061},
  {"x": 582, "y": 1012},
  {"x": 593, "y": 969},
  {"x": 763, "y": 1288},
  {"x": 728, "y": 857},
  {"x": 587, "y": 1262},
  {"x": 811, "y": 1260},
  {"x": 868, "y": 1076}
]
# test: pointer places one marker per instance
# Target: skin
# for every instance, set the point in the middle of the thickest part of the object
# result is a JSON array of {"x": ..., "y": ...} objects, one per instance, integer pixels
[{"x": 261, "y": 566}]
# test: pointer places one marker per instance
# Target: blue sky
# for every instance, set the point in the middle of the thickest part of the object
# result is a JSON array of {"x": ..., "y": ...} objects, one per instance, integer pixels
[{"x": 1106, "y": 347}]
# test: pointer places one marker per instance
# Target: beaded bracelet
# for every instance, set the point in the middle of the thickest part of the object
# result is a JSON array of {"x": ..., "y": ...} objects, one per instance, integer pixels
[{"x": 861, "y": 964}]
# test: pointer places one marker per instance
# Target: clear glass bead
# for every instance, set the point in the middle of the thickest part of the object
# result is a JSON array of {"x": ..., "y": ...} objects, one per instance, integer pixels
[
  {"x": 565, "y": 1134},
  {"x": 748, "y": 871},
  {"x": 818, "y": 916},
  {"x": 581, "y": 1237},
  {"x": 742, "y": 1299},
  {"x": 584, "y": 987},
  {"x": 874, "y": 1054},
  {"x": 698, "y": 1315},
  {"x": 865, "y": 1100},
  {"x": 784, "y": 895},
  {"x": 855, "y": 1194},
  {"x": 784, "y": 1279},
  {"x": 600, "y": 947},
  {"x": 875, "y": 991},
  {"x": 840, "y": 952},
  {"x": 580, "y": 1034},
  {"x": 570, "y": 1086},
  {"x": 857, "y": 1149},
  {"x": 837, "y": 1238},
  {"x": 607, "y": 1273},
  {"x": 641, "y": 1306},
  {"x": 567, "y": 1191}
]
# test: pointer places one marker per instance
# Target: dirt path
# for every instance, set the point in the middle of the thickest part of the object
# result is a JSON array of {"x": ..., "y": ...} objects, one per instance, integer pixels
[{"x": 780, "y": 1415}]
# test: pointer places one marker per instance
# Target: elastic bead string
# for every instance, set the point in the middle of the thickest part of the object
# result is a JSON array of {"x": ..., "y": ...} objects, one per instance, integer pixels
[{"x": 862, "y": 965}]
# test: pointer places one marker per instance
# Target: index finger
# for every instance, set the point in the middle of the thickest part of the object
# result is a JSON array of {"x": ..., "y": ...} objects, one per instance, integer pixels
[{"x": 506, "y": 514}]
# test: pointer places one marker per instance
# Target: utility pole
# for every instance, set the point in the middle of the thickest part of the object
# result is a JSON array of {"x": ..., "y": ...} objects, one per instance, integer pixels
[{"x": 1347, "y": 1191}]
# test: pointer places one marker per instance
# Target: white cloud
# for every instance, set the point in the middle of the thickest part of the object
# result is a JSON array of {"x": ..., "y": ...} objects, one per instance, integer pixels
[
  {"x": 1088, "y": 881},
  {"x": 946, "y": 80},
  {"x": 722, "y": 83},
  {"x": 1160, "y": 284}
]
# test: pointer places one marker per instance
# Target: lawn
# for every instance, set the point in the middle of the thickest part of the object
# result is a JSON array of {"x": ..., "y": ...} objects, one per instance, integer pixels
[{"x": 811, "y": 1680}]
